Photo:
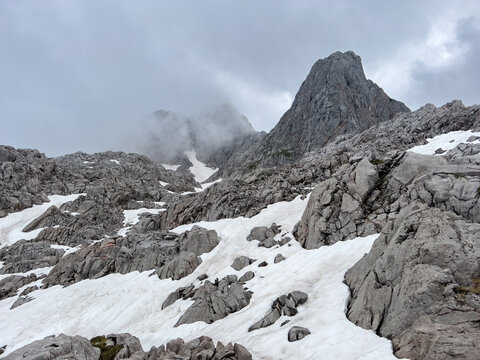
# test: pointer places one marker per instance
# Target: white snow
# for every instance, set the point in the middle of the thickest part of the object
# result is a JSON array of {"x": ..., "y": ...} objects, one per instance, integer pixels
[
  {"x": 132, "y": 302},
  {"x": 115, "y": 161},
  {"x": 38, "y": 272},
  {"x": 132, "y": 217},
  {"x": 11, "y": 225},
  {"x": 446, "y": 142},
  {"x": 200, "y": 171},
  {"x": 68, "y": 249},
  {"x": 163, "y": 183},
  {"x": 171, "y": 167}
]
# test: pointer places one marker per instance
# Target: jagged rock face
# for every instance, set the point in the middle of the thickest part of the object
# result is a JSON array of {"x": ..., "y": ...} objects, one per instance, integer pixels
[
  {"x": 419, "y": 285},
  {"x": 335, "y": 98}
]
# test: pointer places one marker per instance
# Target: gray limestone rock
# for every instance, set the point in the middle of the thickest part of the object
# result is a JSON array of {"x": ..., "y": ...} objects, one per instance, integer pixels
[
  {"x": 24, "y": 256},
  {"x": 423, "y": 267},
  {"x": 10, "y": 285},
  {"x": 20, "y": 301},
  {"x": 198, "y": 240},
  {"x": 283, "y": 305},
  {"x": 59, "y": 347},
  {"x": 213, "y": 301},
  {"x": 180, "y": 266},
  {"x": 297, "y": 333},
  {"x": 249, "y": 275},
  {"x": 278, "y": 258},
  {"x": 240, "y": 262}
]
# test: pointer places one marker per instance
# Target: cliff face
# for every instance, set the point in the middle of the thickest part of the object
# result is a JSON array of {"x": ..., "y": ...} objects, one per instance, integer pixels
[{"x": 335, "y": 98}]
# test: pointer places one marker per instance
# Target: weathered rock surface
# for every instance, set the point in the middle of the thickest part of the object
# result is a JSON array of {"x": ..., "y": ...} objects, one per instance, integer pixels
[
  {"x": 214, "y": 301},
  {"x": 265, "y": 235},
  {"x": 240, "y": 262},
  {"x": 159, "y": 250},
  {"x": 297, "y": 333},
  {"x": 24, "y": 256},
  {"x": 283, "y": 305},
  {"x": 421, "y": 276},
  {"x": 126, "y": 346},
  {"x": 10, "y": 285},
  {"x": 335, "y": 99},
  {"x": 199, "y": 348},
  {"x": 59, "y": 347}
]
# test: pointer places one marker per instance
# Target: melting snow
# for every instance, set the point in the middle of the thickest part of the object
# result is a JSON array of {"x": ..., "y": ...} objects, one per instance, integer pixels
[
  {"x": 68, "y": 249},
  {"x": 446, "y": 142},
  {"x": 200, "y": 171},
  {"x": 132, "y": 217},
  {"x": 11, "y": 225},
  {"x": 132, "y": 303},
  {"x": 171, "y": 167}
]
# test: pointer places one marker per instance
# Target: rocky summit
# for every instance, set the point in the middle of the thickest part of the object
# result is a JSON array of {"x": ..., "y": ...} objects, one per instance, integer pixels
[{"x": 349, "y": 231}]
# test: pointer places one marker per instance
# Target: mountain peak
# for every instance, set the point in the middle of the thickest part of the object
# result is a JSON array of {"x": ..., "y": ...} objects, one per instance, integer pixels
[{"x": 335, "y": 98}]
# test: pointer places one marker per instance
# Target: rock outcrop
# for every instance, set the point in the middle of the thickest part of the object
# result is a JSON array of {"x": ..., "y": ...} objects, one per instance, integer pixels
[
  {"x": 283, "y": 305},
  {"x": 214, "y": 301},
  {"x": 126, "y": 346},
  {"x": 173, "y": 256}
]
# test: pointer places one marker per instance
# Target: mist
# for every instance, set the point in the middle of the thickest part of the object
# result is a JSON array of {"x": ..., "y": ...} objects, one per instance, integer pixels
[{"x": 165, "y": 136}]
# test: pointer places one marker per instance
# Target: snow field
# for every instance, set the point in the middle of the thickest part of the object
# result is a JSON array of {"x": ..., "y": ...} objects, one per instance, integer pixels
[{"x": 132, "y": 302}]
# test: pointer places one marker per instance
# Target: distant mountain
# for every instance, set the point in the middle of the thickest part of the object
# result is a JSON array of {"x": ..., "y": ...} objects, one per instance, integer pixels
[{"x": 173, "y": 134}]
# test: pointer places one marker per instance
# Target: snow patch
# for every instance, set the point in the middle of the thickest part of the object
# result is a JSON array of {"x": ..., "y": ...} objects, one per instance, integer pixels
[
  {"x": 11, "y": 225},
  {"x": 131, "y": 303},
  {"x": 200, "y": 171},
  {"x": 115, "y": 161},
  {"x": 446, "y": 142},
  {"x": 132, "y": 217},
  {"x": 171, "y": 167},
  {"x": 67, "y": 249}
]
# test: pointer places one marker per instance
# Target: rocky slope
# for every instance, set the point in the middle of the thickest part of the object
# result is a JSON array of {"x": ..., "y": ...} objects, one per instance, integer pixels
[
  {"x": 335, "y": 99},
  {"x": 264, "y": 253}
]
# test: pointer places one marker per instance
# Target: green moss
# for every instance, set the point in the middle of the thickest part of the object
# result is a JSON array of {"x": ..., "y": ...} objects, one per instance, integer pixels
[
  {"x": 377, "y": 162},
  {"x": 253, "y": 165},
  {"x": 107, "y": 352},
  {"x": 283, "y": 152},
  {"x": 473, "y": 289},
  {"x": 459, "y": 175}
]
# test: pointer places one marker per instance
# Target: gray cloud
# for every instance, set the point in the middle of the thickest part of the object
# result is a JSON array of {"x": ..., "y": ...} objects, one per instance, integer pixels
[{"x": 84, "y": 75}]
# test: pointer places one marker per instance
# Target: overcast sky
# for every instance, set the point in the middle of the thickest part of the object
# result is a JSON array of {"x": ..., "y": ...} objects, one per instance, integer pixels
[{"x": 83, "y": 75}]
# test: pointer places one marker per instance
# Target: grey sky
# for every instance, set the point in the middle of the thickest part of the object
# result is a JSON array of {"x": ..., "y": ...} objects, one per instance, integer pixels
[{"x": 83, "y": 75}]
